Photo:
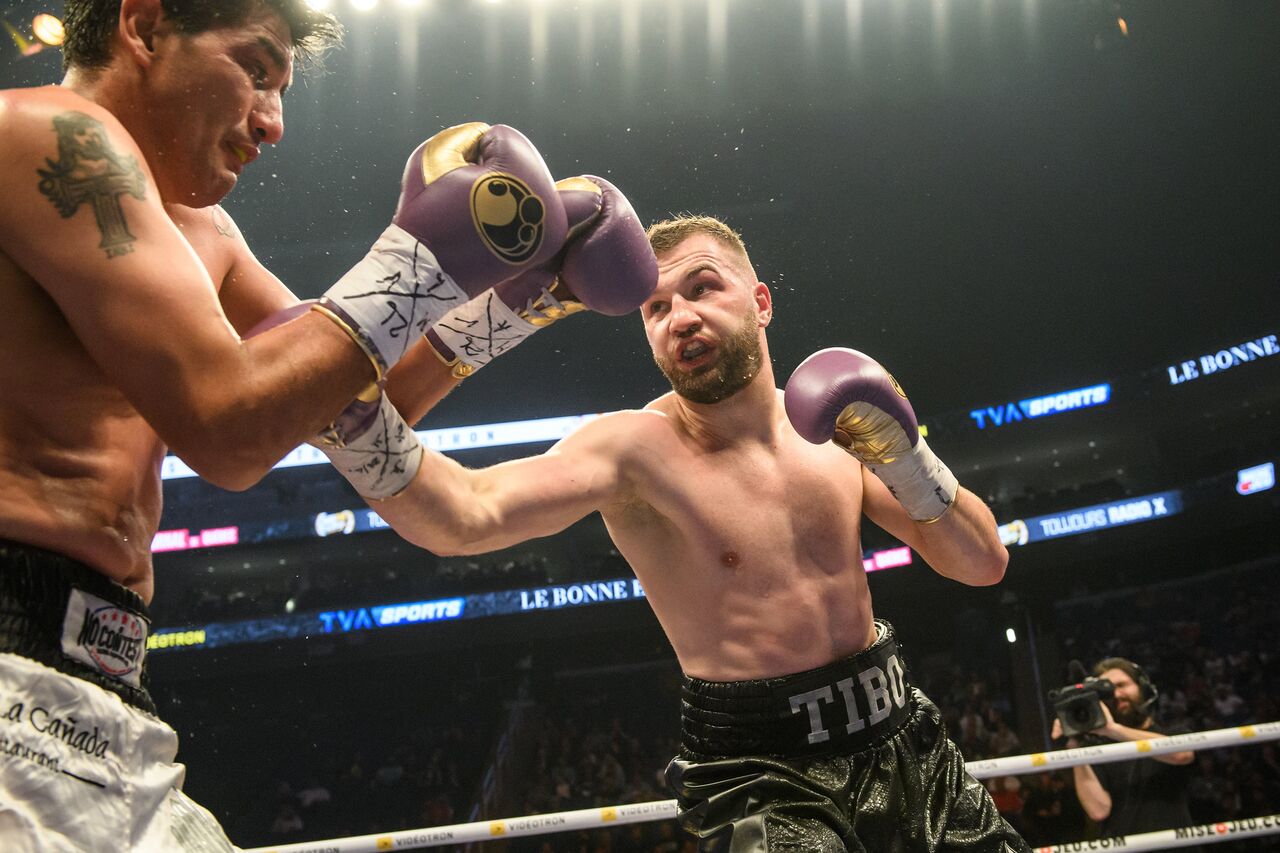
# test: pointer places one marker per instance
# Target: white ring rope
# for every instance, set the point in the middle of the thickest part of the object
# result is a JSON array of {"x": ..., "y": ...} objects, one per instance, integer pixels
[
  {"x": 606, "y": 816},
  {"x": 1106, "y": 753}
]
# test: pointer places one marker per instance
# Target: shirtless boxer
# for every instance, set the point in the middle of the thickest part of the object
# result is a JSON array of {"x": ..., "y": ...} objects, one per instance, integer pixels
[
  {"x": 800, "y": 729},
  {"x": 126, "y": 292}
]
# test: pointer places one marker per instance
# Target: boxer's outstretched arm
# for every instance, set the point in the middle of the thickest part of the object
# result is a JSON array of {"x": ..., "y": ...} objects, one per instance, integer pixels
[
  {"x": 449, "y": 509},
  {"x": 81, "y": 215},
  {"x": 963, "y": 544}
]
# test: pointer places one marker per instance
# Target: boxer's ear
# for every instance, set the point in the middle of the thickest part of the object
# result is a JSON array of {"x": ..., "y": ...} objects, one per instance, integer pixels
[
  {"x": 763, "y": 299},
  {"x": 140, "y": 22}
]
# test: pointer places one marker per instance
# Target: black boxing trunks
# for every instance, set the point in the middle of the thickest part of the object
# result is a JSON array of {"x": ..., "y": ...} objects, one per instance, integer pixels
[
  {"x": 845, "y": 757},
  {"x": 84, "y": 762},
  {"x": 63, "y": 614}
]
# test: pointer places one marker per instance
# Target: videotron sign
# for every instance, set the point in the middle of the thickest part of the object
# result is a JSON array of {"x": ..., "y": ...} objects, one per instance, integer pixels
[
  {"x": 1086, "y": 519},
  {"x": 1003, "y": 414}
]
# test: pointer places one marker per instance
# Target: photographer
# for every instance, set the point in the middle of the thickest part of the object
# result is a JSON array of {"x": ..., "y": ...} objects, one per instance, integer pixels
[{"x": 1125, "y": 797}]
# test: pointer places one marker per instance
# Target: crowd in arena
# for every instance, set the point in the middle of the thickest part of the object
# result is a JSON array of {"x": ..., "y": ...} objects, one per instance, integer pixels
[
  {"x": 343, "y": 762},
  {"x": 1210, "y": 645},
  {"x": 604, "y": 738}
]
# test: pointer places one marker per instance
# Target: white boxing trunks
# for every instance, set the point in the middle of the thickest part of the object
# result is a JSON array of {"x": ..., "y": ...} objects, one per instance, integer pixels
[{"x": 81, "y": 768}]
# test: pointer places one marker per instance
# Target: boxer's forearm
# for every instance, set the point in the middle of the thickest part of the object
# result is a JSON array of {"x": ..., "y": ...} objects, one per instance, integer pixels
[
  {"x": 419, "y": 382},
  {"x": 964, "y": 545},
  {"x": 449, "y": 509},
  {"x": 238, "y": 415},
  {"x": 439, "y": 510}
]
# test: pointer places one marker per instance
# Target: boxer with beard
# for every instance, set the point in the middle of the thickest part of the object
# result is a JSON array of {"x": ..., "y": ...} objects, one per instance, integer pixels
[
  {"x": 739, "y": 362},
  {"x": 1143, "y": 795},
  {"x": 739, "y": 508}
]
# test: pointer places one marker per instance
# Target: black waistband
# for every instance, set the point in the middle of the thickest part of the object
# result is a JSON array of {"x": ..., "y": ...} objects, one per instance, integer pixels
[
  {"x": 63, "y": 614},
  {"x": 842, "y": 707}
]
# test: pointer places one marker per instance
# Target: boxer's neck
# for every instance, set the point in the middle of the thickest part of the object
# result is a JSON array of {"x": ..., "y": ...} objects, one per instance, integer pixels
[{"x": 751, "y": 415}]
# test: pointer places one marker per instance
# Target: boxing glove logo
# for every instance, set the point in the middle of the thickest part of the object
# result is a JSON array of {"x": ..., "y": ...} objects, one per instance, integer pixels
[{"x": 508, "y": 216}]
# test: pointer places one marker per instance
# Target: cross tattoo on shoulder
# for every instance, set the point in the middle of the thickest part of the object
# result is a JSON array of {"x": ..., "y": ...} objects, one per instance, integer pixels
[{"x": 89, "y": 170}]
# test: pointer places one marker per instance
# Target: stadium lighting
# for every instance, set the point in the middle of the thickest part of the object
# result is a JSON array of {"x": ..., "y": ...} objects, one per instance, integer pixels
[
  {"x": 363, "y": 5},
  {"x": 319, "y": 5},
  {"x": 1010, "y": 635},
  {"x": 48, "y": 29},
  {"x": 46, "y": 32}
]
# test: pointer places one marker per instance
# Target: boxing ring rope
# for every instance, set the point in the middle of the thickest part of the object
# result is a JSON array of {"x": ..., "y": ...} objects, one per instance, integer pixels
[{"x": 1038, "y": 762}]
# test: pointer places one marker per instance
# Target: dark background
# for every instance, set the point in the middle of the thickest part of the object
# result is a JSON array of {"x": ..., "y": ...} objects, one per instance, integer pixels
[{"x": 996, "y": 199}]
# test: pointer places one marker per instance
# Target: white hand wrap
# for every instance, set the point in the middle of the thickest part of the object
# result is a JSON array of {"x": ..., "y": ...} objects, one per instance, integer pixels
[
  {"x": 382, "y": 460},
  {"x": 924, "y": 486},
  {"x": 481, "y": 330},
  {"x": 391, "y": 297}
]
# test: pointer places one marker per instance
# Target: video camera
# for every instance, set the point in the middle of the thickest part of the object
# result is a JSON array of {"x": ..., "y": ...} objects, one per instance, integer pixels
[{"x": 1079, "y": 706}]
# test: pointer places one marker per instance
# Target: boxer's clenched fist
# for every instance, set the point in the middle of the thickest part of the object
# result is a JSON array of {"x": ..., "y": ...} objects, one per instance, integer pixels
[
  {"x": 842, "y": 395},
  {"x": 606, "y": 266},
  {"x": 477, "y": 206}
]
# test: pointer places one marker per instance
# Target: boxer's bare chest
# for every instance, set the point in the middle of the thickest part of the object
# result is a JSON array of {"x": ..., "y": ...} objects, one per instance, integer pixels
[
  {"x": 750, "y": 557},
  {"x": 760, "y": 508}
]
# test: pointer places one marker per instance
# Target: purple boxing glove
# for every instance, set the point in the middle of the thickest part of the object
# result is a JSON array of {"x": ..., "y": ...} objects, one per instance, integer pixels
[
  {"x": 477, "y": 206},
  {"x": 609, "y": 264},
  {"x": 842, "y": 395},
  {"x": 606, "y": 266}
]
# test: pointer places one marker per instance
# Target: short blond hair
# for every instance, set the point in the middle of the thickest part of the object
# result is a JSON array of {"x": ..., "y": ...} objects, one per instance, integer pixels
[{"x": 669, "y": 233}]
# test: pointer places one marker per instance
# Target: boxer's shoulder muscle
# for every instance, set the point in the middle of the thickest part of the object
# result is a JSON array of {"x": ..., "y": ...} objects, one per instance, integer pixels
[
  {"x": 618, "y": 445},
  {"x": 656, "y": 458},
  {"x": 640, "y": 439},
  {"x": 247, "y": 290},
  {"x": 78, "y": 204},
  {"x": 40, "y": 340},
  {"x": 57, "y": 142},
  {"x": 213, "y": 235},
  {"x": 37, "y": 106}
]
